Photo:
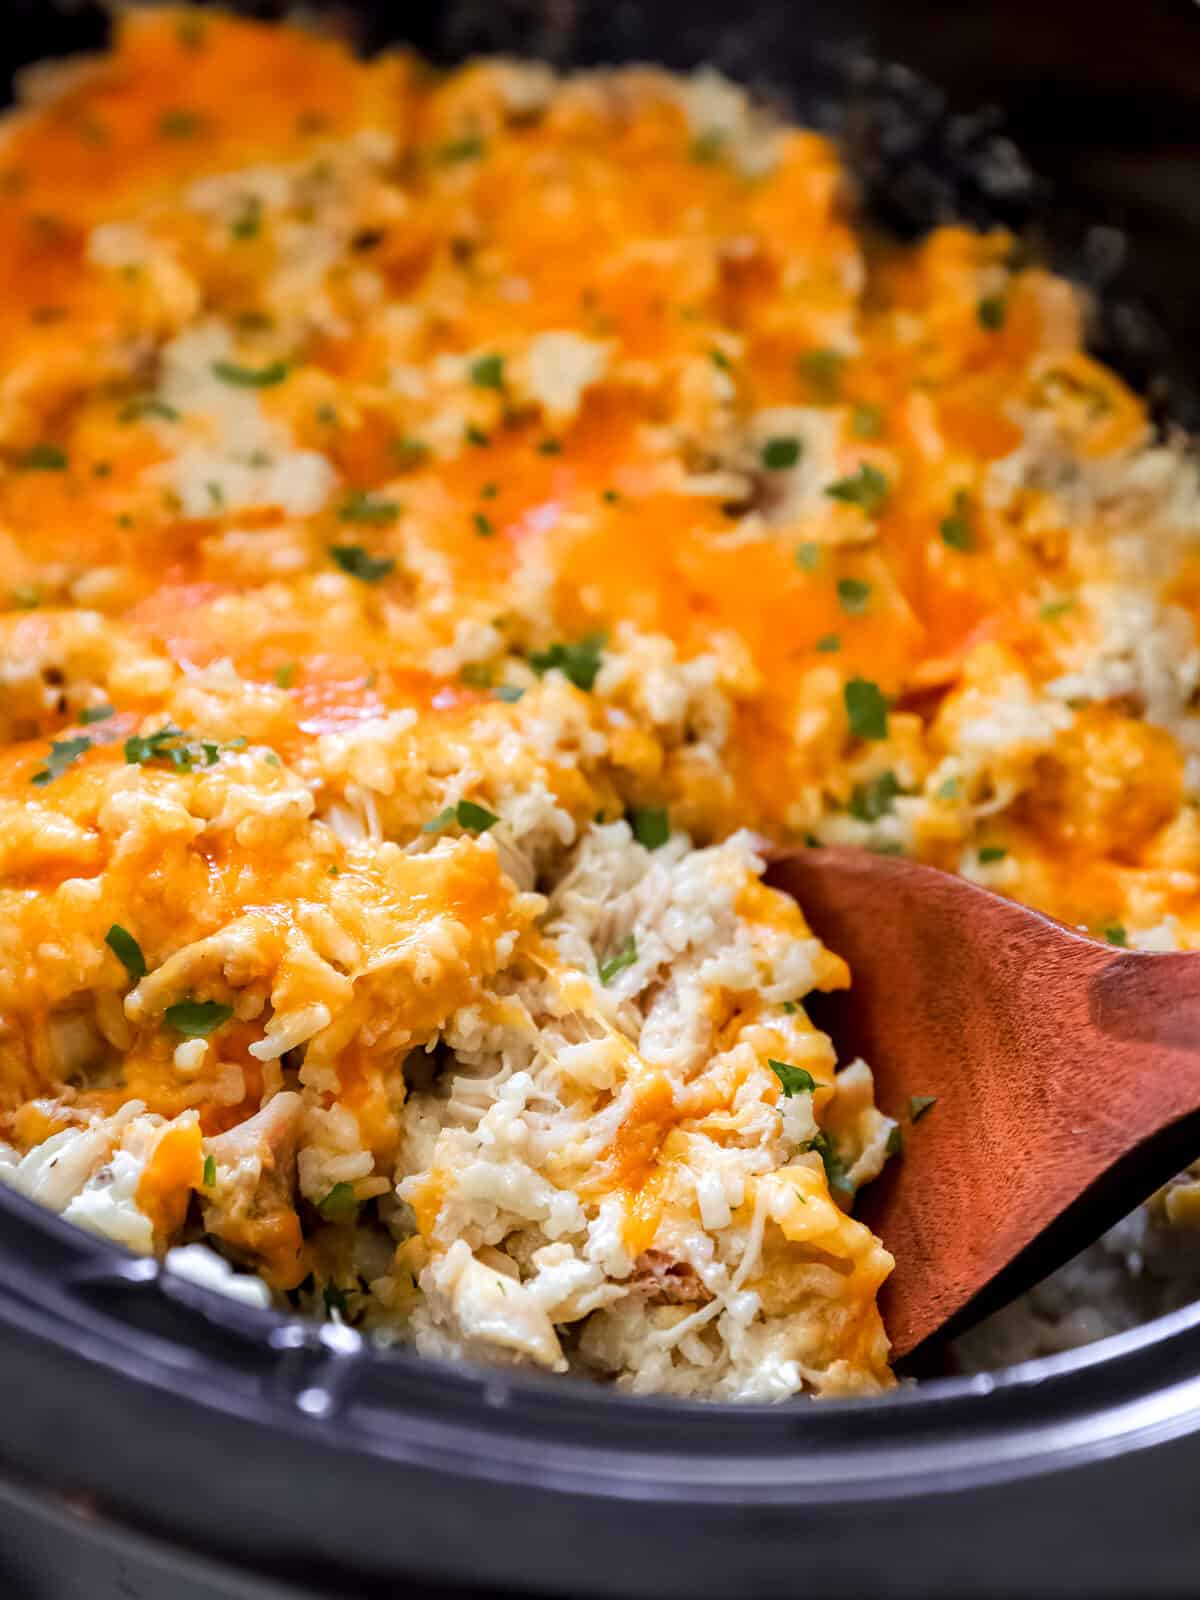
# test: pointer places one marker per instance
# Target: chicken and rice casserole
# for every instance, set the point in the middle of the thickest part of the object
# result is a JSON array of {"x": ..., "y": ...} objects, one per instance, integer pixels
[{"x": 450, "y": 525}]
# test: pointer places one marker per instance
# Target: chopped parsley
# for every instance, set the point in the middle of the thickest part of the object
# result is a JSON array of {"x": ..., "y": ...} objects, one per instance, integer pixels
[
  {"x": 210, "y": 1171},
  {"x": 624, "y": 956},
  {"x": 866, "y": 488},
  {"x": 992, "y": 312},
  {"x": 178, "y": 124},
  {"x": 550, "y": 447},
  {"x": 361, "y": 506},
  {"x": 866, "y": 422},
  {"x": 469, "y": 816},
  {"x": 956, "y": 528},
  {"x": 853, "y": 595},
  {"x": 651, "y": 826},
  {"x": 476, "y": 436},
  {"x": 991, "y": 852},
  {"x": 149, "y": 406},
  {"x": 808, "y": 557},
  {"x": 895, "y": 1141},
  {"x": 1115, "y": 934},
  {"x": 44, "y": 458},
  {"x": 1053, "y": 609},
  {"x": 251, "y": 377},
  {"x": 63, "y": 754},
  {"x": 510, "y": 693},
  {"x": 484, "y": 526},
  {"x": 92, "y": 714},
  {"x": 828, "y": 644},
  {"x": 409, "y": 452},
  {"x": 356, "y": 562},
  {"x": 720, "y": 360},
  {"x": 196, "y": 1019},
  {"x": 488, "y": 372},
  {"x": 836, "y": 1174},
  {"x": 873, "y": 799},
  {"x": 822, "y": 370},
  {"x": 579, "y": 661},
  {"x": 339, "y": 1205},
  {"x": 780, "y": 453},
  {"x": 790, "y": 1008},
  {"x": 709, "y": 146},
  {"x": 794, "y": 1080},
  {"x": 285, "y": 676},
  {"x": 919, "y": 1104},
  {"x": 468, "y": 148},
  {"x": 171, "y": 744},
  {"x": 248, "y": 223},
  {"x": 127, "y": 951},
  {"x": 476, "y": 674},
  {"x": 948, "y": 790},
  {"x": 867, "y": 708}
]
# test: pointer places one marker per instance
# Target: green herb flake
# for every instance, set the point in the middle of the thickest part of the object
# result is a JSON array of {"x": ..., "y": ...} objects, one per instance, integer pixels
[
  {"x": 285, "y": 676},
  {"x": 720, "y": 360},
  {"x": 251, "y": 377},
  {"x": 356, "y": 562},
  {"x": 1115, "y": 934},
  {"x": 836, "y": 1174},
  {"x": 992, "y": 313},
  {"x": 624, "y": 956},
  {"x": 867, "y": 488},
  {"x": 790, "y": 1008},
  {"x": 956, "y": 528},
  {"x": 484, "y": 526},
  {"x": 476, "y": 436},
  {"x": 948, "y": 790},
  {"x": 822, "y": 371},
  {"x": 44, "y": 458},
  {"x": 468, "y": 148},
  {"x": 579, "y": 661},
  {"x": 1053, "y": 609},
  {"x": 63, "y": 754},
  {"x": 149, "y": 406},
  {"x": 210, "y": 1172},
  {"x": 919, "y": 1104},
  {"x": 874, "y": 799},
  {"x": 895, "y": 1141},
  {"x": 866, "y": 422},
  {"x": 488, "y": 372},
  {"x": 708, "y": 147},
  {"x": 550, "y": 447},
  {"x": 867, "y": 709},
  {"x": 92, "y": 714},
  {"x": 248, "y": 223},
  {"x": 651, "y": 826},
  {"x": 363, "y": 507},
  {"x": 339, "y": 1205},
  {"x": 510, "y": 693},
  {"x": 196, "y": 1019},
  {"x": 991, "y": 852},
  {"x": 780, "y": 453},
  {"x": 25, "y": 597},
  {"x": 143, "y": 747},
  {"x": 794, "y": 1080},
  {"x": 127, "y": 951},
  {"x": 410, "y": 452},
  {"x": 853, "y": 596},
  {"x": 178, "y": 124},
  {"x": 828, "y": 644},
  {"x": 476, "y": 675},
  {"x": 467, "y": 814},
  {"x": 807, "y": 557}
]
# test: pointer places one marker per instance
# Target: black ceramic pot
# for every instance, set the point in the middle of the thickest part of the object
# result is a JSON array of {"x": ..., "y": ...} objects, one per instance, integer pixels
[{"x": 159, "y": 1441}]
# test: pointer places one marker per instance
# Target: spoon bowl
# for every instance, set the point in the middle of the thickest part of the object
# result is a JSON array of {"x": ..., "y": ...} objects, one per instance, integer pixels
[{"x": 1045, "y": 1083}]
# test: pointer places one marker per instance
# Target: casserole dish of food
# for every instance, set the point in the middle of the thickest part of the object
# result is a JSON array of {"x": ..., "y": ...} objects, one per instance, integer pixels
[{"x": 455, "y": 524}]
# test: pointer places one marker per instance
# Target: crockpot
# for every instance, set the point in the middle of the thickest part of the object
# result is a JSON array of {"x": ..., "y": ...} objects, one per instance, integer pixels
[{"x": 161, "y": 1441}]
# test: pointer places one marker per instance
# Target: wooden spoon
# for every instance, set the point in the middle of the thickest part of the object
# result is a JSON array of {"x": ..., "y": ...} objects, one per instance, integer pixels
[{"x": 1066, "y": 1074}]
